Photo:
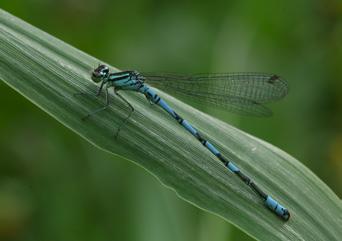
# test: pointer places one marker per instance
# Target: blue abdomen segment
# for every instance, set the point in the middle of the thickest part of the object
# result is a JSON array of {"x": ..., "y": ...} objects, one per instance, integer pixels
[
  {"x": 232, "y": 167},
  {"x": 152, "y": 96},
  {"x": 277, "y": 208},
  {"x": 270, "y": 202},
  {"x": 189, "y": 127},
  {"x": 212, "y": 148}
]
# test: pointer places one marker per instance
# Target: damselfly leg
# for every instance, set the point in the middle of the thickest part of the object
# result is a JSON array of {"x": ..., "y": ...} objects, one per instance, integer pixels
[
  {"x": 107, "y": 104},
  {"x": 99, "y": 109},
  {"x": 129, "y": 115}
]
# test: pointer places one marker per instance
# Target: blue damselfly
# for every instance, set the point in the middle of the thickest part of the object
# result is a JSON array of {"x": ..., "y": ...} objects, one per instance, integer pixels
[{"x": 243, "y": 93}]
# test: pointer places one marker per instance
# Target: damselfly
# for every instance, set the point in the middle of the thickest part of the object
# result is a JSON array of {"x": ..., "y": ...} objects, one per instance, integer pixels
[{"x": 244, "y": 93}]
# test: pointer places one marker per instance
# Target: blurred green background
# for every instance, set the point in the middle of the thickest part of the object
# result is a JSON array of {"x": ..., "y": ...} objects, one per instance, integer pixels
[{"x": 56, "y": 186}]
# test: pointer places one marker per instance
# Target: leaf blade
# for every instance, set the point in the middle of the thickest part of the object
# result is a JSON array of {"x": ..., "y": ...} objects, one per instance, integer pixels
[{"x": 48, "y": 72}]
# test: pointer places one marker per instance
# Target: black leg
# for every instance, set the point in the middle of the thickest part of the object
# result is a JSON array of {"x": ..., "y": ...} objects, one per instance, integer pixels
[
  {"x": 100, "y": 89},
  {"x": 98, "y": 92},
  {"x": 129, "y": 115},
  {"x": 99, "y": 109}
]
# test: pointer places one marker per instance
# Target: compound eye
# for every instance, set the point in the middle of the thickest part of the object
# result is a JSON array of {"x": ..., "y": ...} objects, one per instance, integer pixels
[
  {"x": 102, "y": 70},
  {"x": 105, "y": 71},
  {"x": 96, "y": 74}
]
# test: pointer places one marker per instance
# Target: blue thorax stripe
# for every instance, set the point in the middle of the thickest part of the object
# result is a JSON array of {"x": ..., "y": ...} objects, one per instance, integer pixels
[{"x": 119, "y": 76}]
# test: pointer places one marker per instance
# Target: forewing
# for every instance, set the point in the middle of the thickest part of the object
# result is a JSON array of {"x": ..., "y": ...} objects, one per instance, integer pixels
[{"x": 243, "y": 93}]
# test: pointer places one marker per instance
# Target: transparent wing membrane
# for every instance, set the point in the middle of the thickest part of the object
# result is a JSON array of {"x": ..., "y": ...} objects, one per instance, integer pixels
[{"x": 243, "y": 93}]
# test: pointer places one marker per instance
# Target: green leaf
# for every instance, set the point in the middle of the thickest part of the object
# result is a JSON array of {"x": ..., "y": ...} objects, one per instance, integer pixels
[{"x": 49, "y": 72}]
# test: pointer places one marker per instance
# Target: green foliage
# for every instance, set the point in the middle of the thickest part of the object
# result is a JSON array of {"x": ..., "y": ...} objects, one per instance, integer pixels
[{"x": 49, "y": 72}]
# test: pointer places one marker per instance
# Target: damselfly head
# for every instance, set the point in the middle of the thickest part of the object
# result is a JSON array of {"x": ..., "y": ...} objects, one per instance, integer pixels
[{"x": 100, "y": 73}]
